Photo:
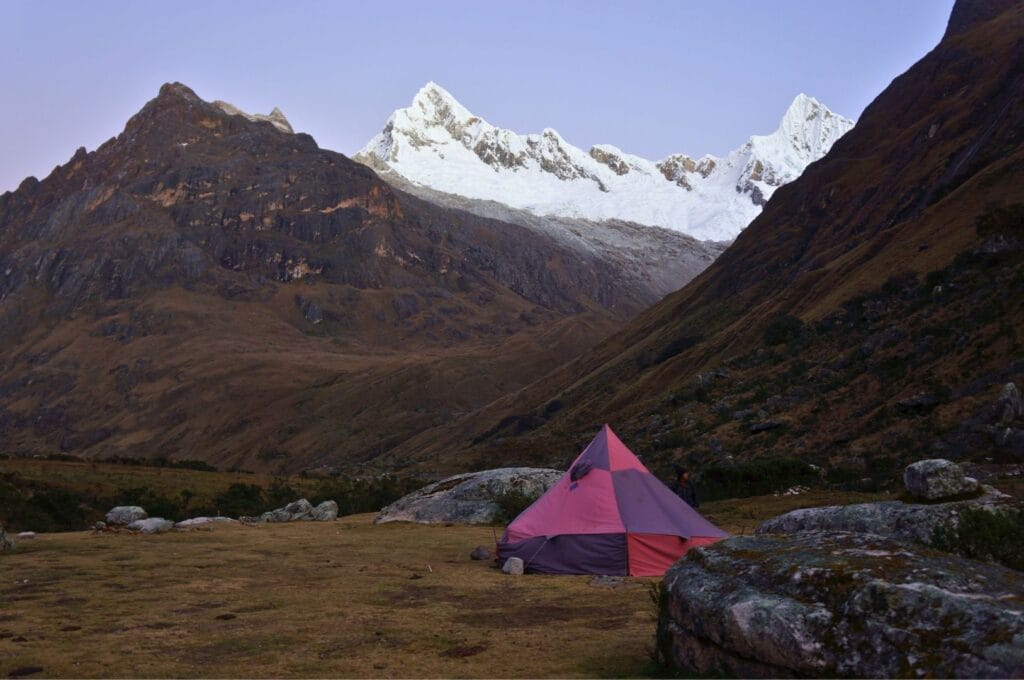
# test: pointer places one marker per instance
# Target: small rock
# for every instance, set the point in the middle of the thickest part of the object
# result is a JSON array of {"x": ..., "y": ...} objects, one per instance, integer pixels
[
  {"x": 919, "y": 402},
  {"x": 513, "y": 566},
  {"x": 937, "y": 478},
  {"x": 27, "y": 535},
  {"x": 151, "y": 525},
  {"x": 480, "y": 553},
  {"x": 607, "y": 581},
  {"x": 99, "y": 526},
  {"x": 326, "y": 512},
  {"x": 126, "y": 514},
  {"x": 765, "y": 425}
]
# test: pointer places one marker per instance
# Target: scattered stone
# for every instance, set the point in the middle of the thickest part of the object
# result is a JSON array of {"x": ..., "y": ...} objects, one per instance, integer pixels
[
  {"x": 936, "y": 479},
  {"x": 199, "y": 521},
  {"x": 922, "y": 401},
  {"x": 607, "y": 581},
  {"x": 1010, "y": 405},
  {"x": 326, "y": 512},
  {"x": 480, "y": 553},
  {"x": 468, "y": 498},
  {"x": 5, "y": 543},
  {"x": 151, "y": 525},
  {"x": 765, "y": 425},
  {"x": 513, "y": 566},
  {"x": 27, "y": 535},
  {"x": 909, "y": 522},
  {"x": 126, "y": 514},
  {"x": 832, "y": 604},
  {"x": 99, "y": 526}
]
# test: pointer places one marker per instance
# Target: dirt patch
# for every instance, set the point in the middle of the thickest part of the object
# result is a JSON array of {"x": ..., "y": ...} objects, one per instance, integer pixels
[{"x": 462, "y": 651}]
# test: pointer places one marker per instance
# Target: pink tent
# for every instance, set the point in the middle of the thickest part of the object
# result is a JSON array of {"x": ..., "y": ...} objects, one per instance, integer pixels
[{"x": 607, "y": 515}]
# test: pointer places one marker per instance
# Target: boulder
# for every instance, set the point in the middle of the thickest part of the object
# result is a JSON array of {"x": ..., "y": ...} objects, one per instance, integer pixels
[
  {"x": 151, "y": 525},
  {"x": 909, "y": 522},
  {"x": 839, "y": 604},
  {"x": 125, "y": 514},
  {"x": 937, "y": 479},
  {"x": 293, "y": 512},
  {"x": 199, "y": 521},
  {"x": 5, "y": 543},
  {"x": 325, "y": 512},
  {"x": 1010, "y": 405},
  {"x": 468, "y": 498},
  {"x": 480, "y": 553},
  {"x": 513, "y": 566},
  {"x": 27, "y": 535}
]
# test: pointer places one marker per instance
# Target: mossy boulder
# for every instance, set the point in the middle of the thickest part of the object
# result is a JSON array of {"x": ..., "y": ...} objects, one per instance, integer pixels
[
  {"x": 471, "y": 498},
  {"x": 840, "y": 604},
  {"x": 908, "y": 522}
]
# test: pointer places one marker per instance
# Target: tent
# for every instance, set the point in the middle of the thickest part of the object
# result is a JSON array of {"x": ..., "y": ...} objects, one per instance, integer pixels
[{"x": 607, "y": 515}]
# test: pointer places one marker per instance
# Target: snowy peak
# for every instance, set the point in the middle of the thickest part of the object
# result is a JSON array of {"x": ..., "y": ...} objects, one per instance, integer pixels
[{"x": 438, "y": 143}]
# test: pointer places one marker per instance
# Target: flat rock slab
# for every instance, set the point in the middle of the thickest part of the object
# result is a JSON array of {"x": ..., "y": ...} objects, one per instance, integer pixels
[
  {"x": 200, "y": 521},
  {"x": 151, "y": 525},
  {"x": 841, "y": 604},
  {"x": 913, "y": 522},
  {"x": 468, "y": 498}
]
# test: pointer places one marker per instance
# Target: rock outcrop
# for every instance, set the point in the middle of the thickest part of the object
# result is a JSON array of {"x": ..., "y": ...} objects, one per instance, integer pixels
[
  {"x": 840, "y": 604},
  {"x": 5, "y": 543},
  {"x": 151, "y": 525},
  {"x": 296, "y": 511},
  {"x": 125, "y": 514},
  {"x": 937, "y": 479},
  {"x": 910, "y": 522},
  {"x": 468, "y": 498}
]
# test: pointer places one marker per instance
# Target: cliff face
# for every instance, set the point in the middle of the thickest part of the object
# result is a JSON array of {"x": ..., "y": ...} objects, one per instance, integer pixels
[{"x": 888, "y": 271}]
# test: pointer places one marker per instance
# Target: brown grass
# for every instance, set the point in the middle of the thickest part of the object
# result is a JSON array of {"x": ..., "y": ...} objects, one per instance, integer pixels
[{"x": 345, "y": 598}]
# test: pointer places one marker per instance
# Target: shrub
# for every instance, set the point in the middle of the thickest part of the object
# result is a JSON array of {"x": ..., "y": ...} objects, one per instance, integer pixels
[
  {"x": 511, "y": 503},
  {"x": 240, "y": 499},
  {"x": 986, "y": 535},
  {"x": 757, "y": 477},
  {"x": 783, "y": 330}
]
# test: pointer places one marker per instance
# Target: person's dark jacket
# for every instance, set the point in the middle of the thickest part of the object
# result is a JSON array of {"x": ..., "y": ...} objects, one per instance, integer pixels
[{"x": 688, "y": 492}]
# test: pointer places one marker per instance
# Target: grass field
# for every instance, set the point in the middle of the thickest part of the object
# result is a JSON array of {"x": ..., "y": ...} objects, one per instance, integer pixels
[{"x": 343, "y": 598}]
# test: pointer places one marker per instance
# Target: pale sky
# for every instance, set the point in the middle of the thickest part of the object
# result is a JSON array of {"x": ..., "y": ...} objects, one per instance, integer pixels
[{"x": 650, "y": 77}]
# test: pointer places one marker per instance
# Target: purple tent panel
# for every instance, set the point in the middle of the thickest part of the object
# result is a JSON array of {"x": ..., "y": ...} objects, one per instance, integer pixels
[{"x": 570, "y": 554}]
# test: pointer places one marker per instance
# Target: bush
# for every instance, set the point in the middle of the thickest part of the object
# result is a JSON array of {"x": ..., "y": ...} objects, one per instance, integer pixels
[
  {"x": 783, "y": 330},
  {"x": 985, "y": 535},
  {"x": 757, "y": 477},
  {"x": 241, "y": 499},
  {"x": 511, "y": 503}
]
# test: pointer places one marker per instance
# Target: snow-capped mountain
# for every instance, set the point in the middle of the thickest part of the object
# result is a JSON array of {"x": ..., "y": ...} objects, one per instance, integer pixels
[{"x": 439, "y": 144}]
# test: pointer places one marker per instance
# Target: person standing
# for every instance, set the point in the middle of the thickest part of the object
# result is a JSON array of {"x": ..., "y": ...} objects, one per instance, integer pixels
[{"x": 685, "y": 488}]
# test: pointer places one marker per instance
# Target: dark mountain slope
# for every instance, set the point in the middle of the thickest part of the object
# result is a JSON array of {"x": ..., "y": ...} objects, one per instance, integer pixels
[
  {"x": 205, "y": 286},
  {"x": 821, "y": 332}
]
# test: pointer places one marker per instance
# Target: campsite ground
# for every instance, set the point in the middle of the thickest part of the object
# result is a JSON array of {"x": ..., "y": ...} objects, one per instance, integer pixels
[{"x": 345, "y": 598}]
